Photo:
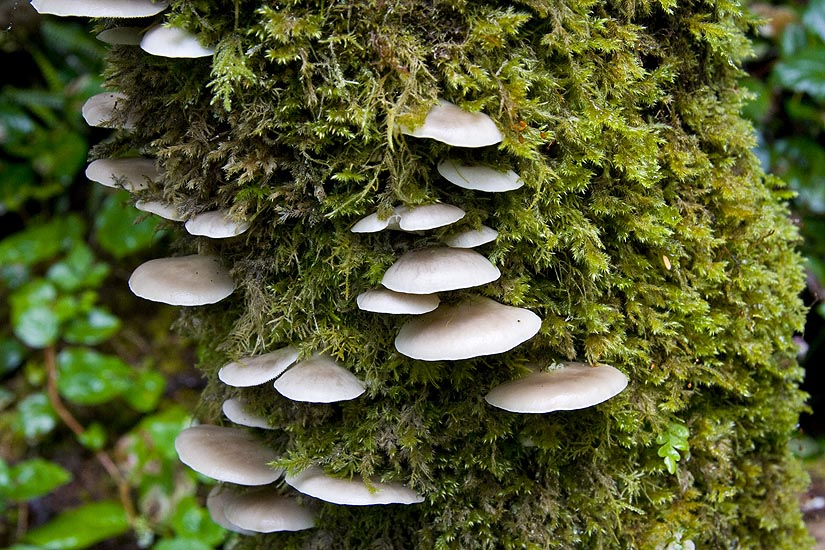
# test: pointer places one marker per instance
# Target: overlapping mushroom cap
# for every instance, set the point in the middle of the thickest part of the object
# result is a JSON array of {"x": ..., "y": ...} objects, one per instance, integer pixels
[
  {"x": 107, "y": 110},
  {"x": 133, "y": 173},
  {"x": 479, "y": 178},
  {"x": 438, "y": 269},
  {"x": 173, "y": 42},
  {"x": 259, "y": 369},
  {"x": 227, "y": 454},
  {"x": 351, "y": 492},
  {"x": 219, "y": 496},
  {"x": 236, "y": 410},
  {"x": 319, "y": 379},
  {"x": 472, "y": 328},
  {"x": 452, "y": 125},
  {"x": 417, "y": 218},
  {"x": 264, "y": 510},
  {"x": 216, "y": 224},
  {"x": 162, "y": 209},
  {"x": 100, "y": 8},
  {"x": 568, "y": 387},
  {"x": 472, "y": 237},
  {"x": 193, "y": 280},
  {"x": 384, "y": 300}
]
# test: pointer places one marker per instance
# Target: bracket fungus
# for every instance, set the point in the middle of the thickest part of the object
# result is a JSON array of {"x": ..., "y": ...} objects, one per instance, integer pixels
[
  {"x": 100, "y": 8},
  {"x": 219, "y": 496},
  {"x": 319, "y": 379},
  {"x": 164, "y": 41},
  {"x": 258, "y": 369},
  {"x": 472, "y": 238},
  {"x": 416, "y": 218},
  {"x": 107, "y": 110},
  {"x": 264, "y": 510},
  {"x": 121, "y": 36},
  {"x": 569, "y": 387},
  {"x": 450, "y": 124},
  {"x": 236, "y": 411},
  {"x": 472, "y": 328},
  {"x": 131, "y": 173},
  {"x": 216, "y": 224},
  {"x": 227, "y": 454},
  {"x": 437, "y": 269},
  {"x": 384, "y": 300},
  {"x": 350, "y": 492},
  {"x": 192, "y": 280},
  {"x": 479, "y": 178},
  {"x": 162, "y": 209}
]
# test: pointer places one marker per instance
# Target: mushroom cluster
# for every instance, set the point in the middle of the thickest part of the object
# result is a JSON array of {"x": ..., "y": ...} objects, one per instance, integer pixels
[{"x": 249, "y": 498}]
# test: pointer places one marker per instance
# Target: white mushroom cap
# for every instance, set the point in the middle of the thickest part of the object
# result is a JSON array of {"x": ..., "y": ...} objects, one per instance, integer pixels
[
  {"x": 429, "y": 216},
  {"x": 430, "y": 270},
  {"x": 257, "y": 370},
  {"x": 263, "y": 510},
  {"x": 165, "y": 211},
  {"x": 350, "y": 492},
  {"x": 479, "y": 178},
  {"x": 384, "y": 300},
  {"x": 227, "y": 454},
  {"x": 133, "y": 173},
  {"x": 472, "y": 237},
  {"x": 475, "y": 327},
  {"x": 236, "y": 411},
  {"x": 173, "y": 42},
  {"x": 374, "y": 224},
  {"x": 452, "y": 125},
  {"x": 215, "y": 225},
  {"x": 319, "y": 379},
  {"x": 121, "y": 36},
  {"x": 571, "y": 386},
  {"x": 182, "y": 281},
  {"x": 107, "y": 110},
  {"x": 99, "y": 8},
  {"x": 216, "y": 502}
]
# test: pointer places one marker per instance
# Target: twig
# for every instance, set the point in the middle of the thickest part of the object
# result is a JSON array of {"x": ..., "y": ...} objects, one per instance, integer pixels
[{"x": 77, "y": 428}]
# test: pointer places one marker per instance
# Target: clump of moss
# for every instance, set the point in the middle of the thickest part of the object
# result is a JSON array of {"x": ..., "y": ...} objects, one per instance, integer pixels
[{"x": 646, "y": 236}]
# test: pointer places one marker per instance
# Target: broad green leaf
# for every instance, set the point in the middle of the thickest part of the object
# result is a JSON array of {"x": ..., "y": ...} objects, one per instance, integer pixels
[
  {"x": 146, "y": 391},
  {"x": 41, "y": 242},
  {"x": 804, "y": 72},
  {"x": 35, "y": 416},
  {"x": 95, "y": 326},
  {"x": 814, "y": 18},
  {"x": 94, "y": 437},
  {"x": 87, "y": 377},
  {"x": 81, "y": 527},
  {"x": 116, "y": 230},
  {"x": 78, "y": 270},
  {"x": 190, "y": 520},
  {"x": 35, "y": 478},
  {"x": 12, "y": 354},
  {"x": 37, "y": 326}
]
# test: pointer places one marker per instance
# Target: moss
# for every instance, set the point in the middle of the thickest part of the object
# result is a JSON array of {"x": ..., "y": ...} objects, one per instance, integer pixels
[{"x": 646, "y": 236}]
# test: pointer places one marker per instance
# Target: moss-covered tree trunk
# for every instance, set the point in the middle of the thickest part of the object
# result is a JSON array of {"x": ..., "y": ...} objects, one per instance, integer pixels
[{"x": 645, "y": 236}]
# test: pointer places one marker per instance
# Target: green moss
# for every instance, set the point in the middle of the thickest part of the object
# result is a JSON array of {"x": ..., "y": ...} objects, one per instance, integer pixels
[{"x": 646, "y": 236}]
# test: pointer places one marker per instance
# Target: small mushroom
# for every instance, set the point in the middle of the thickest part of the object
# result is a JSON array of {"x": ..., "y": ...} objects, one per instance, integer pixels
[
  {"x": 100, "y": 8},
  {"x": 215, "y": 225},
  {"x": 374, "y": 224},
  {"x": 452, "y": 125},
  {"x": 264, "y": 510},
  {"x": 121, "y": 36},
  {"x": 259, "y": 369},
  {"x": 350, "y": 492},
  {"x": 479, "y": 178},
  {"x": 236, "y": 411},
  {"x": 431, "y": 270},
  {"x": 472, "y": 237},
  {"x": 107, "y": 110},
  {"x": 472, "y": 328},
  {"x": 193, "y": 280},
  {"x": 417, "y": 218},
  {"x": 131, "y": 173},
  {"x": 173, "y": 42},
  {"x": 319, "y": 379},
  {"x": 384, "y": 300},
  {"x": 162, "y": 209},
  {"x": 216, "y": 502},
  {"x": 227, "y": 454},
  {"x": 568, "y": 387}
]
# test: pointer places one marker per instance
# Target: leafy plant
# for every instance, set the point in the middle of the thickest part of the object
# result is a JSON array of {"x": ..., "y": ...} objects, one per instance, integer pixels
[{"x": 672, "y": 441}]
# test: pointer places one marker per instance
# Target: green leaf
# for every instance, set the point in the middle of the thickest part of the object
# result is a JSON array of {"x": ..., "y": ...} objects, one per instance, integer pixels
[
  {"x": 804, "y": 72},
  {"x": 116, "y": 230},
  {"x": 94, "y": 437},
  {"x": 87, "y": 377},
  {"x": 192, "y": 521},
  {"x": 146, "y": 391},
  {"x": 95, "y": 326},
  {"x": 35, "y": 478},
  {"x": 182, "y": 543},
  {"x": 814, "y": 18},
  {"x": 35, "y": 416},
  {"x": 12, "y": 354},
  {"x": 81, "y": 527},
  {"x": 41, "y": 242},
  {"x": 78, "y": 270}
]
